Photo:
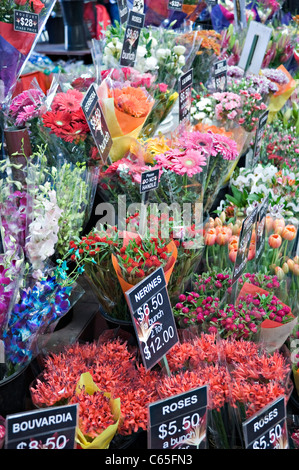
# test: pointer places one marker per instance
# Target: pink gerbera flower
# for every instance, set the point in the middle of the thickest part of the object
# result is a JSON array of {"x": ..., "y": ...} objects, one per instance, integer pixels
[
  {"x": 69, "y": 101},
  {"x": 224, "y": 146},
  {"x": 189, "y": 162},
  {"x": 28, "y": 112},
  {"x": 197, "y": 140}
]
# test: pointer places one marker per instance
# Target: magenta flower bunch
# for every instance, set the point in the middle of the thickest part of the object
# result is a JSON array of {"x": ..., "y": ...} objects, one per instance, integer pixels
[
  {"x": 26, "y": 106},
  {"x": 241, "y": 320}
]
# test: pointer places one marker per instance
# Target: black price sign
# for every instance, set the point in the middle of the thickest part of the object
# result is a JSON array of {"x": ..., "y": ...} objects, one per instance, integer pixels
[
  {"x": 212, "y": 3},
  {"x": 220, "y": 75},
  {"x": 25, "y": 22},
  {"x": 50, "y": 428},
  {"x": 258, "y": 137},
  {"x": 267, "y": 429},
  {"x": 244, "y": 244},
  {"x": 152, "y": 318},
  {"x": 175, "y": 4},
  {"x": 261, "y": 229},
  {"x": 132, "y": 34},
  {"x": 149, "y": 180},
  {"x": 123, "y": 10},
  {"x": 179, "y": 422},
  {"x": 96, "y": 122},
  {"x": 186, "y": 81}
]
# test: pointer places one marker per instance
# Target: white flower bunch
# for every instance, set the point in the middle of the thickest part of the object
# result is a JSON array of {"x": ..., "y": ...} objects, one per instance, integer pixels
[
  {"x": 44, "y": 228},
  {"x": 157, "y": 52},
  {"x": 202, "y": 108}
]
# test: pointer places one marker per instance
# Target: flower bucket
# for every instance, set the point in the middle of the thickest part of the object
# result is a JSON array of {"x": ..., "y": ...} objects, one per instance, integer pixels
[
  {"x": 13, "y": 392},
  {"x": 74, "y": 31},
  {"x": 124, "y": 128}
]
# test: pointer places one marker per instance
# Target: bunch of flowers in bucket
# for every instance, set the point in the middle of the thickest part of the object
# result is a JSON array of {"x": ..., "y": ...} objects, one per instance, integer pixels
[
  {"x": 182, "y": 164},
  {"x": 118, "y": 260},
  {"x": 242, "y": 320},
  {"x": 188, "y": 240},
  {"x": 164, "y": 97}
]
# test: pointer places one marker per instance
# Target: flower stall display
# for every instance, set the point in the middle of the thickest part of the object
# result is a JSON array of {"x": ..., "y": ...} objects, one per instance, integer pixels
[
  {"x": 222, "y": 226},
  {"x": 193, "y": 363}
]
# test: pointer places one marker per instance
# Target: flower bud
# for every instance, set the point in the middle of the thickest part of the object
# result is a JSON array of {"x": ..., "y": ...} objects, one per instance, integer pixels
[
  {"x": 210, "y": 237},
  {"x": 290, "y": 264},
  {"x": 285, "y": 268},
  {"x": 233, "y": 254},
  {"x": 222, "y": 217},
  {"x": 275, "y": 240},
  {"x": 223, "y": 236},
  {"x": 296, "y": 269},
  {"x": 217, "y": 222},
  {"x": 278, "y": 226},
  {"x": 279, "y": 273},
  {"x": 289, "y": 232}
]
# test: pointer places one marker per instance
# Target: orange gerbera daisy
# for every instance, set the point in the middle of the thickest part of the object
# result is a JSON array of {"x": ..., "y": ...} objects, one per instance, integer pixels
[{"x": 130, "y": 100}]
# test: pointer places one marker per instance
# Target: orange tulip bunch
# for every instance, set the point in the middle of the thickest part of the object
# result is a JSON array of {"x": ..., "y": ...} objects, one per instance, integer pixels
[
  {"x": 281, "y": 238},
  {"x": 221, "y": 242}
]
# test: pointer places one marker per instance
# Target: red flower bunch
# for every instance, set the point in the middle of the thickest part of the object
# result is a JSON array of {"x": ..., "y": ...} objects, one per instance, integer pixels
[
  {"x": 140, "y": 257},
  {"x": 82, "y": 83},
  {"x": 95, "y": 243},
  {"x": 95, "y": 413},
  {"x": 195, "y": 362},
  {"x": 113, "y": 368},
  {"x": 255, "y": 378},
  {"x": 66, "y": 118}
]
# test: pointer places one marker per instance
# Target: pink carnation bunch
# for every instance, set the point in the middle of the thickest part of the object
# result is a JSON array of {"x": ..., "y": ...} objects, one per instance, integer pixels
[{"x": 228, "y": 105}]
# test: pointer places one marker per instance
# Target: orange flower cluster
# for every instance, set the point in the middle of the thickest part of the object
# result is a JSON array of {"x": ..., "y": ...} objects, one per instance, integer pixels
[
  {"x": 193, "y": 363},
  {"x": 131, "y": 100},
  {"x": 95, "y": 413},
  {"x": 209, "y": 40},
  {"x": 217, "y": 232},
  {"x": 113, "y": 369}
]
